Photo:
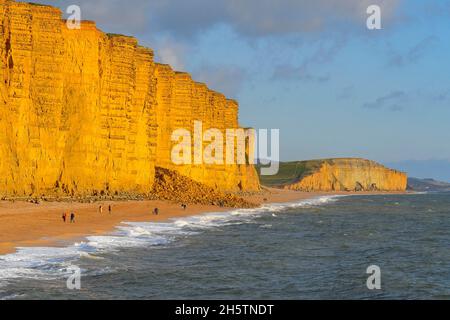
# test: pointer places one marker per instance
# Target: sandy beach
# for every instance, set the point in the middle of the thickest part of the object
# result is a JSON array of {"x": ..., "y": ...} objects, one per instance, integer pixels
[{"x": 24, "y": 224}]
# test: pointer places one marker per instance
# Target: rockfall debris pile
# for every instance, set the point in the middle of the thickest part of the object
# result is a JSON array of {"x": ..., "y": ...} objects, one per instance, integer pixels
[{"x": 170, "y": 185}]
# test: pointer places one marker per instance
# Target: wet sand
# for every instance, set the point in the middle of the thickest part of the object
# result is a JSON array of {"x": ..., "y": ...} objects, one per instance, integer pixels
[{"x": 24, "y": 224}]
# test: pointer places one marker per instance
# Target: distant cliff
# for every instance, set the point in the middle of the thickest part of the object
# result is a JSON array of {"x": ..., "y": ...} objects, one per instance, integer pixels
[
  {"x": 86, "y": 113},
  {"x": 432, "y": 185},
  {"x": 338, "y": 175}
]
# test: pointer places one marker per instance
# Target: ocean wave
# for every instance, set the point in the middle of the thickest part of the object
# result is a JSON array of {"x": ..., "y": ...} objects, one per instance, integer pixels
[{"x": 48, "y": 263}]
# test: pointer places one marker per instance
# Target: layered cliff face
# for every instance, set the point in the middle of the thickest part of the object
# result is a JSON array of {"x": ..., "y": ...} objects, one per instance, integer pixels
[
  {"x": 83, "y": 112},
  {"x": 182, "y": 101},
  {"x": 348, "y": 175}
]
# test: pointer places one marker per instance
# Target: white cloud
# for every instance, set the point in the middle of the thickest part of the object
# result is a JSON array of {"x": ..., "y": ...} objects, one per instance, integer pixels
[
  {"x": 171, "y": 52},
  {"x": 253, "y": 18}
]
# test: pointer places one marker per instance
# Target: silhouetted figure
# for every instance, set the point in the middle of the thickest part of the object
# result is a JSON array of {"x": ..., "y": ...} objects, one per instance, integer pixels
[
  {"x": 100, "y": 209},
  {"x": 72, "y": 217},
  {"x": 184, "y": 206},
  {"x": 64, "y": 217},
  {"x": 156, "y": 211},
  {"x": 110, "y": 209}
]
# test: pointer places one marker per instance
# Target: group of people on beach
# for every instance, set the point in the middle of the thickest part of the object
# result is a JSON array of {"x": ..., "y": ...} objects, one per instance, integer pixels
[
  {"x": 72, "y": 217},
  {"x": 72, "y": 214},
  {"x": 100, "y": 210}
]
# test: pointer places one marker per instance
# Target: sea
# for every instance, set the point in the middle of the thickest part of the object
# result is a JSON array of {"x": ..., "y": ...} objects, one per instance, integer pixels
[{"x": 329, "y": 247}]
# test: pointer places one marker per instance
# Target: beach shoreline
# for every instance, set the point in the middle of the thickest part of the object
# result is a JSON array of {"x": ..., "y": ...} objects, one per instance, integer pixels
[{"x": 24, "y": 224}]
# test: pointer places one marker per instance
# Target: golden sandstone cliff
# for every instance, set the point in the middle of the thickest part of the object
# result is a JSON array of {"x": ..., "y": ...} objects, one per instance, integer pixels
[
  {"x": 347, "y": 175},
  {"x": 87, "y": 113}
]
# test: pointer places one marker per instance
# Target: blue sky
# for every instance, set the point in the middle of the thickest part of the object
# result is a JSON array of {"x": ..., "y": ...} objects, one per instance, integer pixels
[{"x": 311, "y": 68}]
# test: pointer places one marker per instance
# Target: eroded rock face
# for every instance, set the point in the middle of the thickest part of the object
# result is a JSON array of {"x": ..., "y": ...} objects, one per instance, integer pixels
[
  {"x": 351, "y": 175},
  {"x": 180, "y": 102},
  {"x": 83, "y": 112}
]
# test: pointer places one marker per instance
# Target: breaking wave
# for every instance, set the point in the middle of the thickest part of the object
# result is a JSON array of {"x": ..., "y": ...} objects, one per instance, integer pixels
[{"x": 49, "y": 263}]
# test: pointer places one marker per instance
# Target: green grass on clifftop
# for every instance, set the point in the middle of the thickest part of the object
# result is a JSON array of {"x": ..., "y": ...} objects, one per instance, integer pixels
[{"x": 290, "y": 172}]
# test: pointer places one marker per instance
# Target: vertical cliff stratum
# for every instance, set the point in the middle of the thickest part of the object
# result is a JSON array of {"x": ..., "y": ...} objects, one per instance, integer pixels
[{"x": 85, "y": 113}]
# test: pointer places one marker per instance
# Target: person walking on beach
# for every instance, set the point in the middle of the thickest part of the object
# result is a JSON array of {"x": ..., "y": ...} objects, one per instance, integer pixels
[
  {"x": 100, "y": 209},
  {"x": 72, "y": 217},
  {"x": 64, "y": 217},
  {"x": 184, "y": 206},
  {"x": 110, "y": 209},
  {"x": 156, "y": 211}
]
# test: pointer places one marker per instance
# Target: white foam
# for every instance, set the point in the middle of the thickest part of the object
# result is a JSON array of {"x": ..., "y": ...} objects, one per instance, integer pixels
[
  {"x": 37, "y": 263},
  {"x": 51, "y": 263}
]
